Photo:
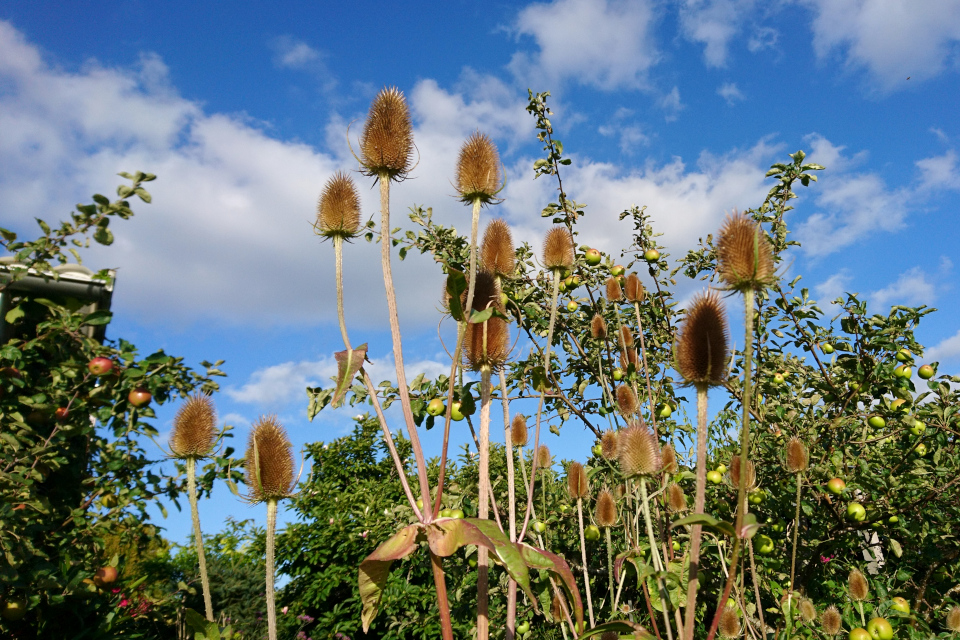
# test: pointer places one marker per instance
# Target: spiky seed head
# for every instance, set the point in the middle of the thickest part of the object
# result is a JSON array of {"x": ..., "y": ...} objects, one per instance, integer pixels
[
  {"x": 807, "y": 610},
  {"x": 857, "y": 586},
  {"x": 633, "y": 288},
  {"x": 614, "y": 292},
  {"x": 639, "y": 451},
  {"x": 628, "y": 358},
  {"x": 558, "y": 249},
  {"x": 626, "y": 400},
  {"x": 701, "y": 344},
  {"x": 730, "y": 622},
  {"x": 577, "y": 485},
  {"x": 609, "y": 445},
  {"x": 669, "y": 455},
  {"x": 486, "y": 344},
  {"x": 606, "y": 513},
  {"x": 830, "y": 621},
  {"x": 598, "y": 327},
  {"x": 555, "y": 609},
  {"x": 798, "y": 458},
  {"x": 626, "y": 336},
  {"x": 735, "y": 473},
  {"x": 194, "y": 428},
  {"x": 953, "y": 619},
  {"x": 497, "y": 254},
  {"x": 518, "y": 430},
  {"x": 744, "y": 256},
  {"x": 478, "y": 169},
  {"x": 386, "y": 144},
  {"x": 609, "y": 635},
  {"x": 269, "y": 461},
  {"x": 676, "y": 500},
  {"x": 338, "y": 212},
  {"x": 544, "y": 459}
]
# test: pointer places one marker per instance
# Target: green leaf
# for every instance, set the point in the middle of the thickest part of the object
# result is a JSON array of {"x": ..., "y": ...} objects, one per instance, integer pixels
[
  {"x": 143, "y": 194},
  {"x": 707, "y": 521},
  {"x": 376, "y": 567},
  {"x": 14, "y": 314},
  {"x": 348, "y": 364},
  {"x": 544, "y": 560},
  {"x": 896, "y": 548},
  {"x": 98, "y": 317},
  {"x": 618, "y": 626},
  {"x": 456, "y": 285},
  {"x": 8, "y": 235},
  {"x": 103, "y": 235},
  {"x": 478, "y": 317},
  {"x": 202, "y": 628}
]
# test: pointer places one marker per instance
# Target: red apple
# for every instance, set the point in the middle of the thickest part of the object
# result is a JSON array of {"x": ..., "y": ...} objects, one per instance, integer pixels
[
  {"x": 836, "y": 486},
  {"x": 100, "y": 366},
  {"x": 61, "y": 414},
  {"x": 105, "y": 576},
  {"x": 139, "y": 397}
]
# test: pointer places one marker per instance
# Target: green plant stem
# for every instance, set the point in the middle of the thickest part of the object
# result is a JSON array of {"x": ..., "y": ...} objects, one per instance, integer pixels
[
  {"x": 696, "y": 532},
  {"x": 863, "y": 619},
  {"x": 198, "y": 536},
  {"x": 583, "y": 555},
  {"x": 483, "y": 506},
  {"x": 657, "y": 563},
  {"x": 271, "y": 597},
  {"x": 440, "y": 580},
  {"x": 512, "y": 502},
  {"x": 646, "y": 370},
  {"x": 756, "y": 589},
  {"x": 610, "y": 580},
  {"x": 338, "y": 253},
  {"x": 793, "y": 555}
]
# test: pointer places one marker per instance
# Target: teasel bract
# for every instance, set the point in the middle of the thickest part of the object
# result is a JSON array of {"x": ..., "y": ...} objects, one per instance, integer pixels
[
  {"x": 614, "y": 291},
  {"x": 669, "y": 455},
  {"x": 478, "y": 169},
  {"x": 497, "y": 253},
  {"x": 953, "y": 619},
  {"x": 797, "y": 456},
  {"x": 609, "y": 445},
  {"x": 639, "y": 451},
  {"x": 577, "y": 485},
  {"x": 807, "y": 610},
  {"x": 744, "y": 255},
  {"x": 734, "y": 471},
  {"x": 676, "y": 500},
  {"x": 797, "y": 461},
  {"x": 487, "y": 343},
  {"x": 558, "y": 249},
  {"x": 544, "y": 459},
  {"x": 730, "y": 622},
  {"x": 386, "y": 144},
  {"x": 830, "y": 621},
  {"x": 633, "y": 288},
  {"x": 598, "y": 327},
  {"x": 518, "y": 430},
  {"x": 626, "y": 401},
  {"x": 606, "y": 510},
  {"x": 857, "y": 586},
  {"x": 338, "y": 211}
]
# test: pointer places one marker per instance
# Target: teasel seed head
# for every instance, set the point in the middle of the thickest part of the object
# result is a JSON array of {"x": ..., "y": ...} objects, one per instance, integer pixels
[
  {"x": 614, "y": 292},
  {"x": 609, "y": 445},
  {"x": 269, "y": 461},
  {"x": 807, "y": 610},
  {"x": 544, "y": 459},
  {"x": 676, "y": 500},
  {"x": 730, "y": 622},
  {"x": 555, "y": 609},
  {"x": 628, "y": 357},
  {"x": 669, "y": 455},
  {"x": 701, "y": 344},
  {"x": 558, "y": 249},
  {"x": 639, "y": 451},
  {"x": 953, "y": 619},
  {"x": 735, "y": 473},
  {"x": 744, "y": 256},
  {"x": 798, "y": 458},
  {"x": 386, "y": 145},
  {"x": 497, "y": 254},
  {"x": 633, "y": 288},
  {"x": 830, "y": 621},
  {"x": 478, "y": 169},
  {"x": 857, "y": 586},
  {"x": 606, "y": 513},
  {"x": 626, "y": 337},
  {"x": 338, "y": 212},
  {"x": 495, "y": 330},
  {"x": 609, "y": 635},
  {"x": 577, "y": 485},
  {"x": 626, "y": 400},
  {"x": 518, "y": 430},
  {"x": 598, "y": 327},
  {"x": 194, "y": 428}
]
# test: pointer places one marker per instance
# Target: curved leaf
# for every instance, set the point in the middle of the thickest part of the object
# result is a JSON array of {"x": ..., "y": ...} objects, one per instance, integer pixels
[
  {"x": 708, "y": 521},
  {"x": 540, "y": 559},
  {"x": 376, "y": 567},
  {"x": 348, "y": 364},
  {"x": 618, "y": 626}
]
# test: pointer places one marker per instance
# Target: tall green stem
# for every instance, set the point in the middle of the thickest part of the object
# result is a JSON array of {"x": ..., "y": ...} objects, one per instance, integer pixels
[
  {"x": 483, "y": 507},
  {"x": 610, "y": 580},
  {"x": 271, "y": 598},
  {"x": 696, "y": 532},
  {"x": 512, "y": 501},
  {"x": 583, "y": 555},
  {"x": 646, "y": 370},
  {"x": 198, "y": 536},
  {"x": 657, "y": 562},
  {"x": 793, "y": 555}
]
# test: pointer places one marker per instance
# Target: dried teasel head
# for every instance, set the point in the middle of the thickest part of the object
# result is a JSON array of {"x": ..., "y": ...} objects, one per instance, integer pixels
[
  {"x": 751, "y": 480},
  {"x": 386, "y": 144},
  {"x": 628, "y": 357},
  {"x": 577, "y": 485},
  {"x": 338, "y": 212},
  {"x": 626, "y": 400},
  {"x": 830, "y": 621},
  {"x": 486, "y": 344},
  {"x": 558, "y": 249},
  {"x": 633, "y": 288},
  {"x": 953, "y": 619},
  {"x": 497, "y": 254},
  {"x": 555, "y": 609},
  {"x": 609, "y": 445},
  {"x": 798, "y": 458},
  {"x": 669, "y": 455},
  {"x": 744, "y": 255},
  {"x": 676, "y": 500},
  {"x": 478, "y": 169},
  {"x": 857, "y": 586},
  {"x": 730, "y": 622},
  {"x": 269, "y": 461},
  {"x": 614, "y": 292},
  {"x": 626, "y": 336},
  {"x": 544, "y": 459},
  {"x": 700, "y": 350},
  {"x": 194, "y": 428},
  {"x": 639, "y": 451},
  {"x": 606, "y": 512},
  {"x": 609, "y": 635},
  {"x": 807, "y": 610},
  {"x": 598, "y": 327},
  {"x": 518, "y": 430}
]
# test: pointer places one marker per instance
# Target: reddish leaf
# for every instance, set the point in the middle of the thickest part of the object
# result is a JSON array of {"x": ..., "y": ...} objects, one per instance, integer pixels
[
  {"x": 376, "y": 567},
  {"x": 618, "y": 626},
  {"x": 540, "y": 559},
  {"x": 348, "y": 363}
]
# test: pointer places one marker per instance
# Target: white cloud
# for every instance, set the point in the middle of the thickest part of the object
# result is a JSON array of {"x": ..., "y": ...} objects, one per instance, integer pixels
[
  {"x": 830, "y": 289},
  {"x": 913, "y": 287},
  {"x": 295, "y": 54},
  {"x": 947, "y": 349},
  {"x": 631, "y": 136},
  {"x": 605, "y": 43},
  {"x": 763, "y": 38},
  {"x": 671, "y": 104},
  {"x": 729, "y": 92},
  {"x": 714, "y": 23},
  {"x": 939, "y": 172},
  {"x": 891, "y": 39}
]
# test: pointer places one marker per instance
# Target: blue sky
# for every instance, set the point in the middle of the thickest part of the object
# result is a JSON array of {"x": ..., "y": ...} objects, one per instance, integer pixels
[{"x": 241, "y": 110}]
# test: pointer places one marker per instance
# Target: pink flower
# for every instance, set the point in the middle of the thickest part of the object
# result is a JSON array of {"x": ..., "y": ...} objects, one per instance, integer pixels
[
  {"x": 284, "y": 610},
  {"x": 124, "y": 603},
  {"x": 826, "y": 559}
]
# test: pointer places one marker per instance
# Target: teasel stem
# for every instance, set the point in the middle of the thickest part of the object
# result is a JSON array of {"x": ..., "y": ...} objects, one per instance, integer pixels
[
  {"x": 440, "y": 580},
  {"x": 583, "y": 555},
  {"x": 793, "y": 555},
  {"x": 610, "y": 580},
  {"x": 657, "y": 562},
  {"x": 646, "y": 370},
  {"x": 483, "y": 506},
  {"x": 696, "y": 532},
  {"x": 271, "y": 597},
  {"x": 198, "y": 536},
  {"x": 863, "y": 619},
  {"x": 756, "y": 589},
  {"x": 512, "y": 502},
  {"x": 338, "y": 252}
]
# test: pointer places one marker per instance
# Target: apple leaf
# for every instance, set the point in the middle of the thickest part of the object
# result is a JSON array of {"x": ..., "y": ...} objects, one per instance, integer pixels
[
  {"x": 376, "y": 567},
  {"x": 643, "y": 568},
  {"x": 618, "y": 626},
  {"x": 544, "y": 560},
  {"x": 750, "y": 526},
  {"x": 348, "y": 363},
  {"x": 456, "y": 285},
  {"x": 202, "y": 628},
  {"x": 709, "y": 522}
]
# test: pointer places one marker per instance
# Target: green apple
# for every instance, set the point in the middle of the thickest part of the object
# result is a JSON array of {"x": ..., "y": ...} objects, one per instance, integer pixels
[
  {"x": 918, "y": 428},
  {"x": 921, "y": 449},
  {"x": 651, "y": 255},
  {"x": 420, "y": 504},
  {"x": 455, "y": 413},
  {"x": 880, "y": 629},
  {"x": 456, "y": 513},
  {"x": 899, "y": 404},
  {"x": 859, "y": 634},
  {"x": 901, "y": 605},
  {"x": 591, "y": 532},
  {"x": 827, "y": 348},
  {"x": 472, "y": 562},
  {"x": 722, "y": 468},
  {"x": 856, "y": 512},
  {"x": 894, "y": 519},
  {"x": 13, "y": 609},
  {"x": 592, "y": 257},
  {"x": 572, "y": 306},
  {"x": 903, "y": 371},
  {"x": 904, "y": 355},
  {"x": 877, "y": 422},
  {"x": 779, "y": 526},
  {"x": 446, "y": 513},
  {"x": 763, "y": 544},
  {"x": 618, "y": 374},
  {"x": 778, "y": 379},
  {"x": 539, "y": 527},
  {"x": 715, "y": 476},
  {"x": 757, "y": 496},
  {"x": 524, "y": 627},
  {"x": 676, "y": 545},
  {"x": 665, "y": 411},
  {"x": 617, "y": 270},
  {"x": 436, "y": 407},
  {"x": 926, "y": 372},
  {"x": 836, "y": 486}
]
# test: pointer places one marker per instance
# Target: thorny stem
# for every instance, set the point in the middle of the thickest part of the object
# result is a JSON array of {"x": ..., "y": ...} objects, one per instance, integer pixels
[
  {"x": 198, "y": 536},
  {"x": 696, "y": 532},
  {"x": 657, "y": 563},
  {"x": 793, "y": 556},
  {"x": 583, "y": 555},
  {"x": 271, "y": 598},
  {"x": 439, "y": 579},
  {"x": 338, "y": 252},
  {"x": 613, "y": 605},
  {"x": 756, "y": 589},
  {"x": 512, "y": 501},
  {"x": 483, "y": 621},
  {"x": 646, "y": 370}
]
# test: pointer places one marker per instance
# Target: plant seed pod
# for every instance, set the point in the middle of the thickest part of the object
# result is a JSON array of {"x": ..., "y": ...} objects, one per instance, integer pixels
[
  {"x": 497, "y": 254},
  {"x": 269, "y": 461},
  {"x": 639, "y": 451},
  {"x": 609, "y": 635},
  {"x": 558, "y": 249},
  {"x": 386, "y": 145},
  {"x": 606, "y": 513},
  {"x": 609, "y": 445},
  {"x": 953, "y": 619},
  {"x": 626, "y": 337},
  {"x": 744, "y": 256},
  {"x": 598, "y": 327},
  {"x": 555, "y": 609},
  {"x": 478, "y": 169},
  {"x": 486, "y": 344},
  {"x": 830, "y": 621},
  {"x": 807, "y": 610},
  {"x": 700, "y": 351},
  {"x": 577, "y": 485},
  {"x": 857, "y": 586},
  {"x": 194, "y": 428},
  {"x": 798, "y": 458},
  {"x": 676, "y": 500},
  {"x": 735, "y": 473},
  {"x": 626, "y": 400},
  {"x": 730, "y": 622},
  {"x": 518, "y": 430},
  {"x": 669, "y": 455},
  {"x": 633, "y": 288},
  {"x": 614, "y": 292},
  {"x": 544, "y": 459},
  {"x": 338, "y": 212}
]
